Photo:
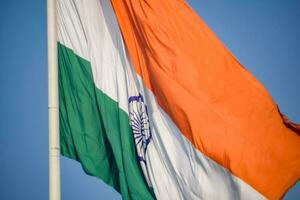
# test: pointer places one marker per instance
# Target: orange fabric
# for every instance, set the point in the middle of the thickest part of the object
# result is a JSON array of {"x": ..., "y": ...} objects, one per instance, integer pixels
[
  {"x": 292, "y": 125},
  {"x": 216, "y": 103}
]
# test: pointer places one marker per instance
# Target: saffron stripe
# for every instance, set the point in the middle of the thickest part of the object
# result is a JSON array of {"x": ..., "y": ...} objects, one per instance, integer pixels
[{"x": 214, "y": 101}]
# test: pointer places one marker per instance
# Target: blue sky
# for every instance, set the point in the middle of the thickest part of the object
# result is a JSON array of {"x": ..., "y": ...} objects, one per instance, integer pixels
[{"x": 263, "y": 35}]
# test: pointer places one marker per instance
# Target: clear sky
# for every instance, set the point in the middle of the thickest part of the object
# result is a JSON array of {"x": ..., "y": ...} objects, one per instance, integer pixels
[{"x": 263, "y": 35}]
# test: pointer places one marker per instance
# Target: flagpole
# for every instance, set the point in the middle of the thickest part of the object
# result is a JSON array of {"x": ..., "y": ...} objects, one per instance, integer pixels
[{"x": 53, "y": 106}]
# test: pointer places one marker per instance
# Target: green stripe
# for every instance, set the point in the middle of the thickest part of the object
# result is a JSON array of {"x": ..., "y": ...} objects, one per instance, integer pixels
[{"x": 95, "y": 131}]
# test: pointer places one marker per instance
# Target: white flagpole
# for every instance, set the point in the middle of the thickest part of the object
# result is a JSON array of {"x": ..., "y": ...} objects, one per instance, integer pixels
[{"x": 54, "y": 147}]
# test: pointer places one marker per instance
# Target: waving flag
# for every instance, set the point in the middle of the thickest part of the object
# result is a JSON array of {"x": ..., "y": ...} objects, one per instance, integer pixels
[{"x": 152, "y": 103}]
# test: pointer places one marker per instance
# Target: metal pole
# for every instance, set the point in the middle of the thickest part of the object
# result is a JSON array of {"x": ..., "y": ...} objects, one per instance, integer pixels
[{"x": 54, "y": 150}]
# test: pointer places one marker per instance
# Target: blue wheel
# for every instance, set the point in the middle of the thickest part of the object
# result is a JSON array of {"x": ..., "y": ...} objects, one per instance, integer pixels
[{"x": 140, "y": 125}]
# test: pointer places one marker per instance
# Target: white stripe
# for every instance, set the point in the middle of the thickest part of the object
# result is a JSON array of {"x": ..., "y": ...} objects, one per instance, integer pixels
[
  {"x": 90, "y": 28},
  {"x": 175, "y": 169}
]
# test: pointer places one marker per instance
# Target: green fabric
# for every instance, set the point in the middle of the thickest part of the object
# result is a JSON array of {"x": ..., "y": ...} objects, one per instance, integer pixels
[{"x": 95, "y": 131}]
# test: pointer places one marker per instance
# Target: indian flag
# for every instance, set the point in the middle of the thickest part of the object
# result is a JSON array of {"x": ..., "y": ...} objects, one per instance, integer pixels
[{"x": 152, "y": 103}]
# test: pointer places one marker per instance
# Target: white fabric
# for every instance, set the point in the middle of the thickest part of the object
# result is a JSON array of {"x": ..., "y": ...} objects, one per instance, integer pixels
[{"x": 174, "y": 169}]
